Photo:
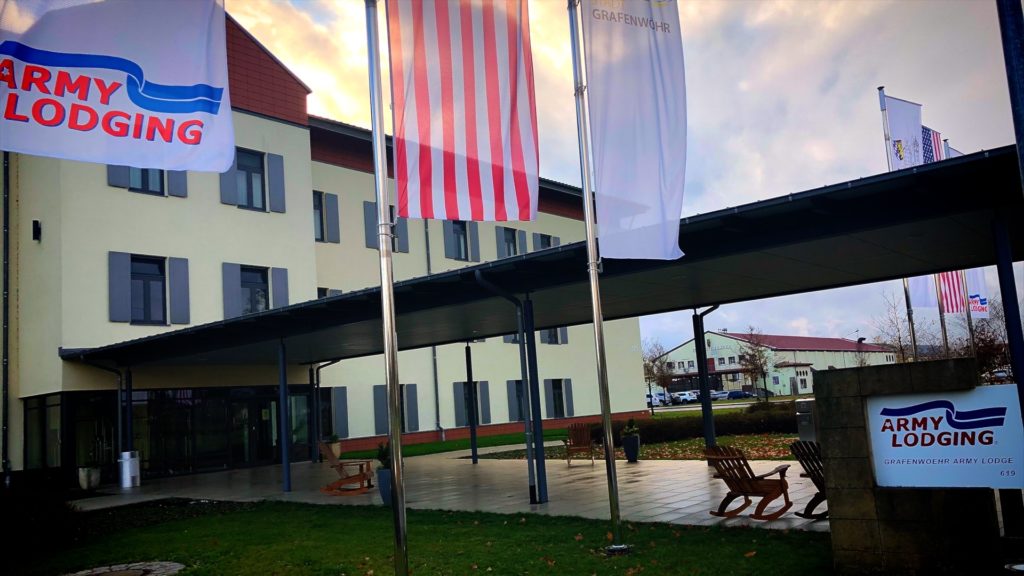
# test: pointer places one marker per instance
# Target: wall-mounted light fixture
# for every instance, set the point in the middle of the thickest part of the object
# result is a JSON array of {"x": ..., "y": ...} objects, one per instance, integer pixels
[{"x": 37, "y": 230}]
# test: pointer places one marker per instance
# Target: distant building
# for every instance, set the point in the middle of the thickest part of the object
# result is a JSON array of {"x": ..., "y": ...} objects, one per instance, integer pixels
[{"x": 792, "y": 361}]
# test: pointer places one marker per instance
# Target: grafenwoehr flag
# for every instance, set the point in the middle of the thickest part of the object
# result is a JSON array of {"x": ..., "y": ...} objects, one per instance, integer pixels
[
  {"x": 636, "y": 89},
  {"x": 142, "y": 84},
  {"x": 922, "y": 292},
  {"x": 465, "y": 118},
  {"x": 905, "y": 146}
]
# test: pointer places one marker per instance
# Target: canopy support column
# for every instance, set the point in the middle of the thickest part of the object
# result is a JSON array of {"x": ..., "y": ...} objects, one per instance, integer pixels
[
  {"x": 706, "y": 410},
  {"x": 284, "y": 426},
  {"x": 538, "y": 417},
  {"x": 471, "y": 402}
]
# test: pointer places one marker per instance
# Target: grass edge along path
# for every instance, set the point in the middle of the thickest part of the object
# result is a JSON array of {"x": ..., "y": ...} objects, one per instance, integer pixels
[
  {"x": 754, "y": 446},
  {"x": 290, "y": 538},
  {"x": 409, "y": 450}
]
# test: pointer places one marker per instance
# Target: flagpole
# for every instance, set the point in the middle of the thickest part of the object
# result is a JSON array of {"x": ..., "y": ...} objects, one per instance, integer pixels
[
  {"x": 942, "y": 314},
  {"x": 387, "y": 294},
  {"x": 888, "y": 162},
  {"x": 593, "y": 268},
  {"x": 967, "y": 310}
]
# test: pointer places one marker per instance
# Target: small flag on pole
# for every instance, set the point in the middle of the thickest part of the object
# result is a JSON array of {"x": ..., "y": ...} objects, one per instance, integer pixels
[
  {"x": 141, "y": 84},
  {"x": 465, "y": 117}
]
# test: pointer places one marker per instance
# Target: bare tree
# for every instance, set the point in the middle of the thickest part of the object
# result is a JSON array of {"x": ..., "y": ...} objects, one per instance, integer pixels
[
  {"x": 892, "y": 328},
  {"x": 656, "y": 372},
  {"x": 755, "y": 358}
]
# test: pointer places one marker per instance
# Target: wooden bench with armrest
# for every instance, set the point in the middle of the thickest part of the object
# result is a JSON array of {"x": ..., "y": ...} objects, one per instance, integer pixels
[
  {"x": 579, "y": 442},
  {"x": 809, "y": 456},
  {"x": 357, "y": 473},
  {"x": 733, "y": 468}
]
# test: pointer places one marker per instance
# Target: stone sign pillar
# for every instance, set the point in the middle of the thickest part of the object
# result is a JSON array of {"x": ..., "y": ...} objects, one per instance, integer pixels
[{"x": 878, "y": 530}]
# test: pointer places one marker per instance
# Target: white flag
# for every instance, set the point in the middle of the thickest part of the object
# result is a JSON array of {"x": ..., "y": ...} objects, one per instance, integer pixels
[
  {"x": 978, "y": 292},
  {"x": 637, "y": 95},
  {"x": 904, "y": 133},
  {"x": 922, "y": 292},
  {"x": 141, "y": 84}
]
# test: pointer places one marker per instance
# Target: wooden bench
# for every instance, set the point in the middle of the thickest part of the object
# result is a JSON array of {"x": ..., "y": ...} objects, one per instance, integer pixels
[
  {"x": 579, "y": 442},
  {"x": 733, "y": 468},
  {"x": 809, "y": 456},
  {"x": 350, "y": 472}
]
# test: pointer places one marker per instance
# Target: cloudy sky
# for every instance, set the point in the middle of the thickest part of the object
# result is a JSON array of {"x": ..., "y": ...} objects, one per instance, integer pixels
[{"x": 782, "y": 98}]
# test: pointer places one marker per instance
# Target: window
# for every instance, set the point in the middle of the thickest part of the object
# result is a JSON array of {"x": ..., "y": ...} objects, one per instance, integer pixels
[
  {"x": 670, "y": 365},
  {"x": 721, "y": 361},
  {"x": 460, "y": 238},
  {"x": 517, "y": 403},
  {"x": 42, "y": 431},
  {"x": 549, "y": 336},
  {"x": 557, "y": 399},
  {"x": 509, "y": 238},
  {"x": 318, "y": 216},
  {"x": 689, "y": 364},
  {"x": 543, "y": 241},
  {"x": 255, "y": 290},
  {"x": 709, "y": 342},
  {"x": 146, "y": 180},
  {"x": 732, "y": 359},
  {"x": 803, "y": 383},
  {"x": 148, "y": 291},
  {"x": 249, "y": 180},
  {"x": 775, "y": 380},
  {"x": 511, "y": 338},
  {"x": 321, "y": 292}
]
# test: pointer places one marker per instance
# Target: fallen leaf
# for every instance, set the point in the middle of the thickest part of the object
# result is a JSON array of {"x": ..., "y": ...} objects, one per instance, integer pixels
[
  {"x": 609, "y": 536},
  {"x": 578, "y": 537},
  {"x": 473, "y": 566},
  {"x": 750, "y": 554}
]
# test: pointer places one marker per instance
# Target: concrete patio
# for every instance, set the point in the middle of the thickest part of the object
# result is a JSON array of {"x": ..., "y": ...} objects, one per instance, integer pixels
[{"x": 671, "y": 491}]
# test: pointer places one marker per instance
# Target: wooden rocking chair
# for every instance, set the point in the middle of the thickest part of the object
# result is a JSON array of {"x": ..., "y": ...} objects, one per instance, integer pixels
[
  {"x": 733, "y": 468},
  {"x": 809, "y": 456},
  {"x": 579, "y": 442},
  {"x": 350, "y": 472}
]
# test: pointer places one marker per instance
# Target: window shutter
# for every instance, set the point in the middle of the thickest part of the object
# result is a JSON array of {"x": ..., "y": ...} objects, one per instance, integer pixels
[
  {"x": 567, "y": 390},
  {"x": 232, "y": 274},
  {"x": 401, "y": 232},
  {"x": 278, "y": 287},
  {"x": 484, "y": 396},
  {"x": 118, "y": 176},
  {"x": 380, "y": 409},
  {"x": 508, "y": 339},
  {"x": 544, "y": 337},
  {"x": 330, "y": 207},
  {"x": 549, "y": 398},
  {"x": 536, "y": 241},
  {"x": 514, "y": 409},
  {"x": 563, "y": 335},
  {"x": 370, "y": 223},
  {"x": 459, "y": 392},
  {"x": 412, "y": 409},
  {"x": 119, "y": 286},
  {"x": 177, "y": 280},
  {"x": 339, "y": 397},
  {"x": 499, "y": 236},
  {"x": 521, "y": 247},
  {"x": 177, "y": 183},
  {"x": 334, "y": 292},
  {"x": 474, "y": 241},
  {"x": 556, "y": 241},
  {"x": 229, "y": 185},
  {"x": 275, "y": 181},
  {"x": 448, "y": 228}
]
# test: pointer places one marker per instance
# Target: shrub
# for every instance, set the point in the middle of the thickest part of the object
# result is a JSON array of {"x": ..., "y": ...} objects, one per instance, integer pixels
[
  {"x": 780, "y": 420},
  {"x": 784, "y": 407}
]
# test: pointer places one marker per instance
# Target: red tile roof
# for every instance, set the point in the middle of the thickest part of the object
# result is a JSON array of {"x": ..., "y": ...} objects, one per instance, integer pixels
[{"x": 815, "y": 343}]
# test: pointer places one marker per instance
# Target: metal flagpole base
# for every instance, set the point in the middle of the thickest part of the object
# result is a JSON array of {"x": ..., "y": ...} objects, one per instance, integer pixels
[{"x": 618, "y": 550}]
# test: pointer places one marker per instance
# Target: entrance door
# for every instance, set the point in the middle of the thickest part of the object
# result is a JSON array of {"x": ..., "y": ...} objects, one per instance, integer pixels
[{"x": 253, "y": 432}]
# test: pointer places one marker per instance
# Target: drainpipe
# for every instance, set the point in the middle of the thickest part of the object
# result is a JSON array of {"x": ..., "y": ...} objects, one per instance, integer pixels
[
  {"x": 5, "y": 456},
  {"x": 433, "y": 349}
]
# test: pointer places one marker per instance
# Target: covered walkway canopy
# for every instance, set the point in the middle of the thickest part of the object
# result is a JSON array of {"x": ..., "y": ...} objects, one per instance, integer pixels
[{"x": 927, "y": 219}]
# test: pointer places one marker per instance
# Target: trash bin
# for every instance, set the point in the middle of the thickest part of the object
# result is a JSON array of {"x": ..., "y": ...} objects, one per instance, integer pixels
[
  {"x": 805, "y": 420},
  {"x": 130, "y": 469}
]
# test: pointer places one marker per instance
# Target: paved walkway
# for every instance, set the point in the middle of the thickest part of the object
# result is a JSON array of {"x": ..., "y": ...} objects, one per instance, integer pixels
[{"x": 673, "y": 491}]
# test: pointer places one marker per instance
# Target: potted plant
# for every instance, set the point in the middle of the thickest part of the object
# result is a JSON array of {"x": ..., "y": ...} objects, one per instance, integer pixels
[
  {"x": 89, "y": 471},
  {"x": 630, "y": 437},
  {"x": 384, "y": 472}
]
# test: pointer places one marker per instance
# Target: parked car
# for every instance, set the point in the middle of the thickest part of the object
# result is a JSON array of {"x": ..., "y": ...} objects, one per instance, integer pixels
[
  {"x": 656, "y": 400},
  {"x": 738, "y": 394},
  {"x": 719, "y": 394},
  {"x": 997, "y": 376},
  {"x": 685, "y": 397}
]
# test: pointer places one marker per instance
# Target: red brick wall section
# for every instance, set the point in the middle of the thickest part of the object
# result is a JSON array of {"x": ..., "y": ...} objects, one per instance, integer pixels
[
  {"x": 369, "y": 443},
  {"x": 259, "y": 83}
]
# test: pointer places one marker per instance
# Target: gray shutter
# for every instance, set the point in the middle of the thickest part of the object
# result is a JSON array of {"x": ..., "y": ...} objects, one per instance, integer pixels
[
  {"x": 567, "y": 389},
  {"x": 275, "y": 181},
  {"x": 549, "y": 398},
  {"x": 556, "y": 241},
  {"x": 474, "y": 241},
  {"x": 514, "y": 410},
  {"x": 544, "y": 337},
  {"x": 508, "y": 339},
  {"x": 118, "y": 176},
  {"x": 330, "y": 207},
  {"x": 484, "y": 398},
  {"x": 370, "y": 223},
  {"x": 339, "y": 398},
  {"x": 119, "y": 286},
  {"x": 536, "y": 241},
  {"x": 401, "y": 231},
  {"x": 232, "y": 274},
  {"x": 380, "y": 409},
  {"x": 177, "y": 183},
  {"x": 334, "y": 292},
  {"x": 448, "y": 231},
  {"x": 459, "y": 392},
  {"x": 412, "y": 409},
  {"x": 563, "y": 335},
  {"x": 278, "y": 287},
  {"x": 499, "y": 238},
  {"x": 228, "y": 185},
  {"x": 521, "y": 247},
  {"x": 177, "y": 269}
]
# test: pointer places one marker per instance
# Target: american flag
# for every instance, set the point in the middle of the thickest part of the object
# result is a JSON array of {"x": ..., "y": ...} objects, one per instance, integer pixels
[
  {"x": 952, "y": 288},
  {"x": 465, "y": 117},
  {"x": 932, "y": 148}
]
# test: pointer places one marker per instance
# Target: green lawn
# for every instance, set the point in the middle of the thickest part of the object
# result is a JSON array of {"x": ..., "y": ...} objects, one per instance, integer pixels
[
  {"x": 286, "y": 538},
  {"x": 663, "y": 414},
  {"x": 452, "y": 445}
]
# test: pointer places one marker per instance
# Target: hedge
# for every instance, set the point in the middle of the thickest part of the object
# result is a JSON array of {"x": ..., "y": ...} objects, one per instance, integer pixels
[{"x": 759, "y": 418}]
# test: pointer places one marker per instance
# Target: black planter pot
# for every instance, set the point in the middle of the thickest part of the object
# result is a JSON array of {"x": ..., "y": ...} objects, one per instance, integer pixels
[
  {"x": 384, "y": 485},
  {"x": 631, "y": 446}
]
